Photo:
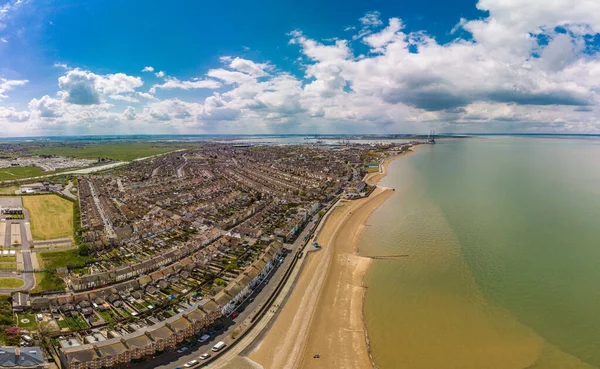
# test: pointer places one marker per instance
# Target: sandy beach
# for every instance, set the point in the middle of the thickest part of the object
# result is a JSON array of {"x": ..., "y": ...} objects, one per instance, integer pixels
[
  {"x": 324, "y": 313},
  {"x": 374, "y": 178}
]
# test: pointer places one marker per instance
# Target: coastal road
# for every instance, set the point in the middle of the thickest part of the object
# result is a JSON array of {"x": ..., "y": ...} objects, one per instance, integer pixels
[
  {"x": 245, "y": 344},
  {"x": 172, "y": 359}
]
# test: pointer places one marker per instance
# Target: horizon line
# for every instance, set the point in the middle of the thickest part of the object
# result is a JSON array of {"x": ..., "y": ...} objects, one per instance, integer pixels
[{"x": 316, "y": 135}]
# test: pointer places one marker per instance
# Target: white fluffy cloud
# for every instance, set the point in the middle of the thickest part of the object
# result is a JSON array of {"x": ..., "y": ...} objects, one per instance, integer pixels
[
  {"x": 12, "y": 115},
  {"x": 47, "y": 107},
  {"x": 129, "y": 113},
  {"x": 248, "y": 66},
  {"x": 171, "y": 109},
  {"x": 501, "y": 76},
  {"x": 82, "y": 87},
  {"x": 173, "y": 83}
]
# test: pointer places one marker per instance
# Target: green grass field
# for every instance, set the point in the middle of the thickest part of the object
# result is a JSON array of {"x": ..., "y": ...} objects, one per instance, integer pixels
[
  {"x": 51, "y": 216},
  {"x": 11, "y": 283},
  {"x": 9, "y": 190},
  {"x": 59, "y": 259},
  {"x": 62, "y": 324},
  {"x": 71, "y": 323},
  {"x": 106, "y": 315},
  {"x": 20, "y": 172},
  {"x": 116, "y": 151},
  {"x": 48, "y": 281},
  {"x": 26, "y": 321}
]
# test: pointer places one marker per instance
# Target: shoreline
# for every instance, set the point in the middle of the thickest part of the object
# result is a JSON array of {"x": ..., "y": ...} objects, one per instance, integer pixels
[
  {"x": 373, "y": 179},
  {"x": 324, "y": 313}
]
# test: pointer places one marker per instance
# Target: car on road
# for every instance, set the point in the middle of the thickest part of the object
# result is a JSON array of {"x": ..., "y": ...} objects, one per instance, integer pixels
[
  {"x": 183, "y": 349},
  {"x": 204, "y": 338},
  {"x": 204, "y": 356},
  {"x": 190, "y": 363},
  {"x": 218, "y": 346}
]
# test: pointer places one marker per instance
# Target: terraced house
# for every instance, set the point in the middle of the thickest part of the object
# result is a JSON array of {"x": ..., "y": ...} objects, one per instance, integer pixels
[{"x": 141, "y": 344}]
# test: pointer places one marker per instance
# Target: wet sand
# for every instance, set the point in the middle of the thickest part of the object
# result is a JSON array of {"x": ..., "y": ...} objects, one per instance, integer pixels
[{"x": 324, "y": 313}]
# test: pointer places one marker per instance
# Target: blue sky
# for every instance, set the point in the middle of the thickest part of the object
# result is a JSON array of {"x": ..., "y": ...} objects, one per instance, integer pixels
[{"x": 77, "y": 67}]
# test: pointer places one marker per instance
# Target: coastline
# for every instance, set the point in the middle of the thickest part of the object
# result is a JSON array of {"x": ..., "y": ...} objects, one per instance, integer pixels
[
  {"x": 324, "y": 314},
  {"x": 374, "y": 178}
]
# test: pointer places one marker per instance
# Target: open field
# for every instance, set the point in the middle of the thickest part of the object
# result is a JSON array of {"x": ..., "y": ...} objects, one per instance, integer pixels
[
  {"x": 48, "y": 281},
  {"x": 51, "y": 216},
  {"x": 59, "y": 259},
  {"x": 9, "y": 190},
  {"x": 11, "y": 283},
  {"x": 20, "y": 172},
  {"x": 116, "y": 151}
]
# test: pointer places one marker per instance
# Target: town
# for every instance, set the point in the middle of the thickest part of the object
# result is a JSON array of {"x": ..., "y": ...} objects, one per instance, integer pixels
[{"x": 167, "y": 250}]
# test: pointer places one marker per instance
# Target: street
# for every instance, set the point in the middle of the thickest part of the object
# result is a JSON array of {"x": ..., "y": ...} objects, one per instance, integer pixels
[{"x": 172, "y": 359}]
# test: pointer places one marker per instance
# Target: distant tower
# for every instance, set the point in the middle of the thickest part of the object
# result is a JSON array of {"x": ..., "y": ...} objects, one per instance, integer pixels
[{"x": 431, "y": 137}]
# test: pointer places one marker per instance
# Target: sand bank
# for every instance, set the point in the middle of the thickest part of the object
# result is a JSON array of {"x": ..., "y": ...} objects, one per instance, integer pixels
[{"x": 324, "y": 313}]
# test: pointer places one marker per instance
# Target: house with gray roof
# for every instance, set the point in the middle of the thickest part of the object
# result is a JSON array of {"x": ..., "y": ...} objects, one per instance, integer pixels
[{"x": 22, "y": 357}]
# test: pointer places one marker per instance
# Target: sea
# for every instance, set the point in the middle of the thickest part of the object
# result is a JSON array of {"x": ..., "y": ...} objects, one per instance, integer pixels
[{"x": 497, "y": 245}]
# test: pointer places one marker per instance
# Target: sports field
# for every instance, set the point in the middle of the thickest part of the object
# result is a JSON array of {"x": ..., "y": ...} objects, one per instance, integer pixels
[
  {"x": 116, "y": 151},
  {"x": 51, "y": 216}
]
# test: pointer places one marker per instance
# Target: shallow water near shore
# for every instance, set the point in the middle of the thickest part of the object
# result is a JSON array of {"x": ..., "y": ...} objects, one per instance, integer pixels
[{"x": 503, "y": 248}]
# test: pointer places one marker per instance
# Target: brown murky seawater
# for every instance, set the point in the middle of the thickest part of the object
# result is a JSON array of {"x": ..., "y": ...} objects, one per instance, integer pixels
[{"x": 502, "y": 266}]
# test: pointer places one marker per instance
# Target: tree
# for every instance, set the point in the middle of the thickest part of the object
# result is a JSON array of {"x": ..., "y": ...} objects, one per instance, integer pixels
[
  {"x": 84, "y": 249},
  {"x": 232, "y": 266},
  {"x": 220, "y": 282}
]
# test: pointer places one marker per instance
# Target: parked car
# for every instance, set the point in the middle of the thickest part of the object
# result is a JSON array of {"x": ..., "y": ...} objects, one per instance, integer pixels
[
  {"x": 204, "y": 338},
  {"x": 190, "y": 363},
  {"x": 218, "y": 346},
  {"x": 183, "y": 349},
  {"x": 235, "y": 315},
  {"x": 204, "y": 356}
]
